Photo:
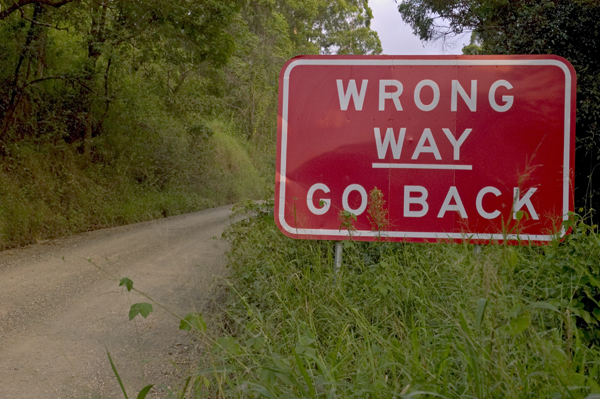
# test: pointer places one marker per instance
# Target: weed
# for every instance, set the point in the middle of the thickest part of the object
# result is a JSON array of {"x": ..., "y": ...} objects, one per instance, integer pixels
[
  {"x": 347, "y": 220},
  {"x": 190, "y": 322},
  {"x": 378, "y": 213},
  {"x": 141, "y": 395}
]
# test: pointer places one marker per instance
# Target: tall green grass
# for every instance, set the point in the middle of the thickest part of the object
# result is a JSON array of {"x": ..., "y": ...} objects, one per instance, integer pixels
[{"x": 406, "y": 320}]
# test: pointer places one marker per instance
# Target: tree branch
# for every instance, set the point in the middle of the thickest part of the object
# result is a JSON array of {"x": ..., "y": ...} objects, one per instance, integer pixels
[
  {"x": 40, "y": 23},
  {"x": 17, "y": 5},
  {"x": 71, "y": 79}
]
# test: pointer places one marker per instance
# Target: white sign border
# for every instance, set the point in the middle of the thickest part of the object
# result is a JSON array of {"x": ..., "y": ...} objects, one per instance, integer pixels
[{"x": 423, "y": 62}]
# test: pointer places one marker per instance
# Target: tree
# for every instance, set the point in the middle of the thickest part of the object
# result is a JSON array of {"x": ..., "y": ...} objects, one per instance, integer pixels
[
  {"x": 105, "y": 101},
  {"x": 51, "y": 48},
  {"x": 568, "y": 28},
  {"x": 344, "y": 27},
  {"x": 272, "y": 31},
  {"x": 6, "y": 10}
]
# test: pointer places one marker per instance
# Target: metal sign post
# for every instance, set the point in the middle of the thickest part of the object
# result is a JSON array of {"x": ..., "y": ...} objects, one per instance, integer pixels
[{"x": 338, "y": 257}]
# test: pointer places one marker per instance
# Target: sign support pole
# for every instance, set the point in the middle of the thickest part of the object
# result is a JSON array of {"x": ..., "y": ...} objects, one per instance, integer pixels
[
  {"x": 338, "y": 257},
  {"x": 477, "y": 251}
]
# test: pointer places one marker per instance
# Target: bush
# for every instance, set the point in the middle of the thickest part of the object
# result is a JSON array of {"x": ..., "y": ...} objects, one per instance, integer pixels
[{"x": 49, "y": 189}]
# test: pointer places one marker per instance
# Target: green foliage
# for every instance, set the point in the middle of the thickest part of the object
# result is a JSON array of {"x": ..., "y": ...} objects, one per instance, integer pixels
[
  {"x": 193, "y": 321},
  {"x": 343, "y": 27},
  {"x": 347, "y": 220},
  {"x": 116, "y": 373},
  {"x": 143, "y": 308},
  {"x": 578, "y": 274},
  {"x": 141, "y": 395},
  {"x": 402, "y": 320},
  {"x": 114, "y": 112},
  {"x": 127, "y": 282}
]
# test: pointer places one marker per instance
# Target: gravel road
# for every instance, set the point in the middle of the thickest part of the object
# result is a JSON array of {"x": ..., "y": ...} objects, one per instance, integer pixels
[{"x": 59, "y": 313}]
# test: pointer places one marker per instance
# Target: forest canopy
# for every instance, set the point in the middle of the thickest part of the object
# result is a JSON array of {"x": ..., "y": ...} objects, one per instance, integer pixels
[{"x": 114, "y": 111}]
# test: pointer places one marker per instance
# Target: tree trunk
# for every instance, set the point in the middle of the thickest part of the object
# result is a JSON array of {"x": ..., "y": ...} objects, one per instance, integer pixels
[
  {"x": 96, "y": 39},
  {"x": 27, "y": 54}
]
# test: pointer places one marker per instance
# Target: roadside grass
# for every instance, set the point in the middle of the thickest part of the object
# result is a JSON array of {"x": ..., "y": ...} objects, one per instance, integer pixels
[
  {"x": 49, "y": 189},
  {"x": 405, "y": 320}
]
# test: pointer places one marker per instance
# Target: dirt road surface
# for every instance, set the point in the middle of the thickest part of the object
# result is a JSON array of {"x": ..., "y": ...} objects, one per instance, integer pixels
[{"x": 59, "y": 313}]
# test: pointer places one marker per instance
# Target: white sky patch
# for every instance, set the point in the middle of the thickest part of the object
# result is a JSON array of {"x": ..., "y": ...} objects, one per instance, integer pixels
[{"x": 397, "y": 37}]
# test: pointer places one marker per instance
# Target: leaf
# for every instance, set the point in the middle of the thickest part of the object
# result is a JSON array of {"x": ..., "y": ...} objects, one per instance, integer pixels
[
  {"x": 481, "y": 306},
  {"x": 256, "y": 342},
  {"x": 596, "y": 313},
  {"x": 305, "y": 350},
  {"x": 267, "y": 375},
  {"x": 382, "y": 288},
  {"x": 517, "y": 310},
  {"x": 142, "y": 308},
  {"x": 306, "y": 340},
  {"x": 462, "y": 321},
  {"x": 307, "y": 380},
  {"x": 127, "y": 282},
  {"x": 228, "y": 344},
  {"x": 585, "y": 316},
  {"x": 542, "y": 305},
  {"x": 116, "y": 373},
  {"x": 519, "y": 215},
  {"x": 519, "y": 324},
  {"x": 594, "y": 281},
  {"x": 193, "y": 321},
  {"x": 513, "y": 258},
  {"x": 144, "y": 391},
  {"x": 349, "y": 215}
]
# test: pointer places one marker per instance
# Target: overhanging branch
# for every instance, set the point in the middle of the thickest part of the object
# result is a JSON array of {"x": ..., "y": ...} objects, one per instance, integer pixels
[
  {"x": 17, "y": 5},
  {"x": 40, "y": 23}
]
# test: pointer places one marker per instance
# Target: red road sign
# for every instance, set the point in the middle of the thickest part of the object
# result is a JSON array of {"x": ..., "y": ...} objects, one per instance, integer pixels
[{"x": 460, "y": 146}]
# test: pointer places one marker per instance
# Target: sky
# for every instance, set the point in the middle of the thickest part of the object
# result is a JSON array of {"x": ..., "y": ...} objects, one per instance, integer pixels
[{"x": 397, "y": 37}]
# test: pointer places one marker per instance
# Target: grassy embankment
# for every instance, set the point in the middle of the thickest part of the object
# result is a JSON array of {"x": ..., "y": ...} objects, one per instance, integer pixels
[
  {"x": 139, "y": 171},
  {"x": 407, "y": 320}
]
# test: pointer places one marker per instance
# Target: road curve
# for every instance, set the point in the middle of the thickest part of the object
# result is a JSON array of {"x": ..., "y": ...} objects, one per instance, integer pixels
[{"x": 59, "y": 313}]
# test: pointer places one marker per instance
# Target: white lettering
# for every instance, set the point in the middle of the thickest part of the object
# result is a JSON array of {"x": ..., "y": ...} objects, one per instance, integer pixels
[
  {"x": 508, "y": 100},
  {"x": 470, "y": 101},
  {"x": 436, "y": 95},
  {"x": 526, "y": 200},
  {"x": 479, "y": 202},
  {"x": 395, "y": 96},
  {"x": 432, "y": 148},
  {"x": 363, "y": 199},
  {"x": 452, "y": 195},
  {"x": 352, "y": 91},
  {"x": 409, "y": 200},
  {"x": 309, "y": 199},
  {"x": 389, "y": 140},
  {"x": 457, "y": 143}
]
